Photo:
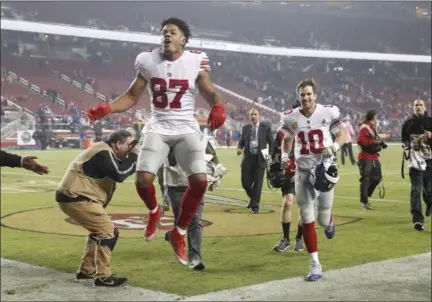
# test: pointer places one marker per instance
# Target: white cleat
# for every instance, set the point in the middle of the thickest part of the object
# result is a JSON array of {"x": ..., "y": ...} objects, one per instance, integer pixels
[{"x": 315, "y": 273}]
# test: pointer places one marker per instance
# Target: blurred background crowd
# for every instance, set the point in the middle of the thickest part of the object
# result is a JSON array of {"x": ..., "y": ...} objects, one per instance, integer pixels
[{"x": 48, "y": 80}]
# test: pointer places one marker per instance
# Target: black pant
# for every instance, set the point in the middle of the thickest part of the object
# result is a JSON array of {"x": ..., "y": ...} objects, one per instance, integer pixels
[
  {"x": 252, "y": 176},
  {"x": 370, "y": 177},
  {"x": 347, "y": 148},
  {"x": 161, "y": 179},
  {"x": 421, "y": 184}
]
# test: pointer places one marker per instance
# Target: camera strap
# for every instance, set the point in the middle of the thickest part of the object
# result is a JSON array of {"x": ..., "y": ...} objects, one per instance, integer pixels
[{"x": 405, "y": 156}]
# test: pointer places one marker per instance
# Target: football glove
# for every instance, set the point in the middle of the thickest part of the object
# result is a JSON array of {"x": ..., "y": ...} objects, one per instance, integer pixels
[
  {"x": 98, "y": 111},
  {"x": 216, "y": 117}
]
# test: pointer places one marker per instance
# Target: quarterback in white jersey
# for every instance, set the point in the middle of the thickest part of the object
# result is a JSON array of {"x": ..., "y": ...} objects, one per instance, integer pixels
[
  {"x": 312, "y": 126},
  {"x": 173, "y": 76}
]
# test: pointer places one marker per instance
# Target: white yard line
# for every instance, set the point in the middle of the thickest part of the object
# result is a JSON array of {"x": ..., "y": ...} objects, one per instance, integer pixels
[
  {"x": 403, "y": 279},
  {"x": 222, "y": 188}
]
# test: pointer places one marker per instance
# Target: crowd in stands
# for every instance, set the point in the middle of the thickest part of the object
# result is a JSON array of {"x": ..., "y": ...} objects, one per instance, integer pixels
[
  {"x": 268, "y": 78},
  {"x": 354, "y": 86},
  {"x": 327, "y": 26}
]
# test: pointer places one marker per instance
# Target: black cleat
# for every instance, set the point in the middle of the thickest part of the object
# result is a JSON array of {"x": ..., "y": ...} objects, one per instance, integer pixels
[
  {"x": 111, "y": 281},
  {"x": 197, "y": 265},
  {"x": 419, "y": 226},
  {"x": 80, "y": 276}
]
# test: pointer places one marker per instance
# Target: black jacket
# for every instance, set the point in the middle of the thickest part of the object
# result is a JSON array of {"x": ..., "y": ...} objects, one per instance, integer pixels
[
  {"x": 264, "y": 137},
  {"x": 93, "y": 175},
  {"x": 9, "y": 160},
  {"x": 416, "y": 125}
]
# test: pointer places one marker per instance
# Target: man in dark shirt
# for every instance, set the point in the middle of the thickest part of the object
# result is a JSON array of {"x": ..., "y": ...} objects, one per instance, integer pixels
[
  {"x": 417, "y": 140},
  {"x": 254, "y": 138}
]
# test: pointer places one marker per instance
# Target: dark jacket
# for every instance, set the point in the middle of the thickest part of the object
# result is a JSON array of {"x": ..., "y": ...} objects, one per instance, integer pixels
[
  {"x": 9, "y": 160},
  {"x": 93, "y": 175},
  {"x": 264, "y": 137},
  {"x": 416, "y": 125}
]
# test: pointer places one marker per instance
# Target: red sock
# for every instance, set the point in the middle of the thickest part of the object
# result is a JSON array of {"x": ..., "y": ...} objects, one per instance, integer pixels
[
  {"x": 148, "y": 195},
  {"x": 190, "y": 203},
  {"x": 310, "y": 237}
]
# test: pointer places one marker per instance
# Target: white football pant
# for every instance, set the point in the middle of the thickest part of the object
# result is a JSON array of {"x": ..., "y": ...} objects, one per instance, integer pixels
[
  {"x": 189, "y": 150},
  {"x": 313, "y": 203}
]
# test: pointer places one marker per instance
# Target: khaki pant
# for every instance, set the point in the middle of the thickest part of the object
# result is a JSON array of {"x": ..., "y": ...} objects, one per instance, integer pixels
[{"x": 93, "y": 217}]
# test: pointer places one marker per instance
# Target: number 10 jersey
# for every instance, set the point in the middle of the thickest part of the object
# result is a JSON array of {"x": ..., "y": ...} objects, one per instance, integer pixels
[{"x": 311, "y": 134}]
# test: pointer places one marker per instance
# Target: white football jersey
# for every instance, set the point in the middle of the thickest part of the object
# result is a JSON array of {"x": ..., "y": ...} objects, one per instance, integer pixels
[
  {"x": 172, "y": 85},
  {"x": 311, "y": 134}
]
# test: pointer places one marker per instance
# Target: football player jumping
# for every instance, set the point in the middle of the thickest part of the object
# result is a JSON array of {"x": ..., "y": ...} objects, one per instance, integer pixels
[
  {"x": 173, "y": 76},
  {"x": 312, "y": 125}
]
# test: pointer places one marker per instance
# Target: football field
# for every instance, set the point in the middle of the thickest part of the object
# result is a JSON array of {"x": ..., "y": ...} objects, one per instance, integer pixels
[{"x": 237, "y": 246}]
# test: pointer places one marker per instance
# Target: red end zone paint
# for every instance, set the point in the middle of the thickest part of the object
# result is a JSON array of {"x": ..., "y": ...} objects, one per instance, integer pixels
[{"x": 139, "y": 221}]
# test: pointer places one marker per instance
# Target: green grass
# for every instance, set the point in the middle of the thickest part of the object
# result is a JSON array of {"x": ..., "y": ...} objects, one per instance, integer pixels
[{"x": 231, "y": 262}]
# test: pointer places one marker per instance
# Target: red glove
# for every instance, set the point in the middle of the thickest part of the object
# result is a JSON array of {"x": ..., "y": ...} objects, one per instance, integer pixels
[
  {"x": 216, "y": 117},
  {"x": 98, "y": 111}
]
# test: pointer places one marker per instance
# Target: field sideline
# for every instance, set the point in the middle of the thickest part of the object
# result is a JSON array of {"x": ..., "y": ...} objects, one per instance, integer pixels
[
  {"x": 403, "y": 279},
  {"x": 240, "y": 259}
]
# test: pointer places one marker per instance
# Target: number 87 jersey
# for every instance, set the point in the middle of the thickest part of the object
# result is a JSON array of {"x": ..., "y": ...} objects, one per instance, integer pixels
[
  {"x": 172, "y": 84},
  {"x": 312, "y": 135}
]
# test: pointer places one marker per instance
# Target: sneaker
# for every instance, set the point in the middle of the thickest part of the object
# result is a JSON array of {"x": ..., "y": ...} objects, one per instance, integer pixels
[
  {"x": 330, "y": 230},
  {"x": 315, "y": 273},
  {"x": 80, "y": 276},
  {"x": 111, "y": 281},
  {"x": 366, "y": 206},
  {"x": 282, "y": 246},
  {"x": 299, "y": 245},
  {"x": 197, "y": 265},
  {"x": 419, "y": 226},
  {"x": 178, "y": 244},
  {"x": 152, "y": 224}
]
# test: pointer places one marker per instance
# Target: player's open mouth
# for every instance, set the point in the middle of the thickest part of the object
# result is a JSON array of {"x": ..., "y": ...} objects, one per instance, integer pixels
[{"x": 167, "y": 42}]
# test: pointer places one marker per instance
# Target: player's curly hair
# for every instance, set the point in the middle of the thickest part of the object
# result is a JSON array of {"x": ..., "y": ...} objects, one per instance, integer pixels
[{"x": 184, "y": 27}]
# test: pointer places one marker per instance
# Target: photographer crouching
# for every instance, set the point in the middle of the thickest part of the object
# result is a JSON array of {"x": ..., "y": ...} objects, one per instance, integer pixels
[
  {"x": 368, "y": 159},
  {"x": 417, "y": 142}
]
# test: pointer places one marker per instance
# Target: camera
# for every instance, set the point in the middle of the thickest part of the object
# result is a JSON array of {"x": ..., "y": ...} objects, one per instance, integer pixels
[{"x": 383, "y": 145}]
